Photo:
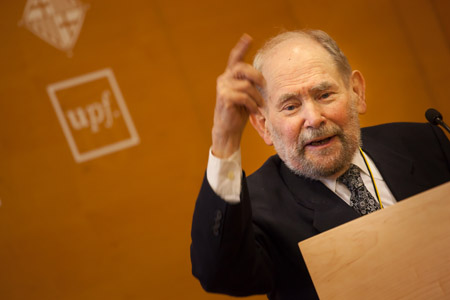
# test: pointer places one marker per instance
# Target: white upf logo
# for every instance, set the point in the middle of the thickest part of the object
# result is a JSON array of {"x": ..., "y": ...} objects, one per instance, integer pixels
[
  {"x": 93, "y": 115},
  {"x": 58, "y": 22}
]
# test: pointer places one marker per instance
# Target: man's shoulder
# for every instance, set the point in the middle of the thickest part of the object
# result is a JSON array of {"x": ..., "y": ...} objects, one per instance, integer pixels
[
  {"x": 400, "y": 131},
  {"x": 406, "y": 127},
  {"x": 268, "y": 179},
  {"x": 417, "y": 141},
  {"x": 270, "y": 167}
]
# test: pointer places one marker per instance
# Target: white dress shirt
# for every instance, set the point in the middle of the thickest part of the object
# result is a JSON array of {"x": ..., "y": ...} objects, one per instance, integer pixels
[{"x": 224, "y": 177}]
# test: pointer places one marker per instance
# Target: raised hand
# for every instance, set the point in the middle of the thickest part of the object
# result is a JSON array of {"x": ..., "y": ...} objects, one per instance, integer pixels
[{"x": 236, "y": 98}]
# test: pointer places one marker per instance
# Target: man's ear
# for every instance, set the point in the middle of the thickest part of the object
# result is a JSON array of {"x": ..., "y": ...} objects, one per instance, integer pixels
[
  {"x": 358, "y": 85},
  {"x": 258, "y": 121}
]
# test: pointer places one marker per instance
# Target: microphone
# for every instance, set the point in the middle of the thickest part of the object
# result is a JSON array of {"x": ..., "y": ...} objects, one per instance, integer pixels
[{"x": 435, "y": 118}]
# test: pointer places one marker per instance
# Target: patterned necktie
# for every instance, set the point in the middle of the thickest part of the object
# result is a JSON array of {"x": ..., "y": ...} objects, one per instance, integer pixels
[{"x": 361, "y": 200}]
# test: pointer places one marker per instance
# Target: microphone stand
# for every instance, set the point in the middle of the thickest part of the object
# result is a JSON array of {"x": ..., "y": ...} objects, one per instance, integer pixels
[{"x": 442, "y": 123}]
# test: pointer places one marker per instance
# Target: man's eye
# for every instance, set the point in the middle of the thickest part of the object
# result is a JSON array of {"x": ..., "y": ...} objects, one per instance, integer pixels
[
  {"x": 325, "y": 95},
  {"x": 289, "y": 107}
]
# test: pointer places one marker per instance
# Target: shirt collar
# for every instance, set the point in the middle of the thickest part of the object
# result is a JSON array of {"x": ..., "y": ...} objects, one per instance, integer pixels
[{"x": 357, "y": 160}]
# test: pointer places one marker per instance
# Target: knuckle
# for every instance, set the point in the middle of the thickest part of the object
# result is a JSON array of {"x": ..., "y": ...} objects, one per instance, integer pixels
[
  {"x": 233, "y": 69},
  {"x": 246, "y": 84},
  {"x": 238, "y": 66}
]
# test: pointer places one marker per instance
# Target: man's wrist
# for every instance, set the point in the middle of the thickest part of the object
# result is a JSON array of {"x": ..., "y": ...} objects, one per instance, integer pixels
[
  {"x": 223, "y": 146},
  {"x": 224, "y": 176}
]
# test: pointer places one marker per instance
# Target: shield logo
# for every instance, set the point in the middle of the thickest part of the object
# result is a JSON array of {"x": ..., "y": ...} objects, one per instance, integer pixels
[{"x": 58, "y": 22}]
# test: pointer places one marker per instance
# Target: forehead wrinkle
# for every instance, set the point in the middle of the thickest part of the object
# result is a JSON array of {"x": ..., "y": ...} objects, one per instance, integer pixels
[
  {"x": 286, "y": 81},
  {"x": 295, "y": 69},
  {"x": 283, "y": 75}
]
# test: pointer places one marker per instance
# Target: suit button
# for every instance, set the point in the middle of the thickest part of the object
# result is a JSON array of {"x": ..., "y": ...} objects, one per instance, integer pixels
[
  {"x": 216, "y": 229},
  {"x": 218, "y": 215}
]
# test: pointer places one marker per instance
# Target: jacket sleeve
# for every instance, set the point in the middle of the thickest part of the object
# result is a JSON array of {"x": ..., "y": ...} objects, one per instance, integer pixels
[{"x": 227, "y": 252}]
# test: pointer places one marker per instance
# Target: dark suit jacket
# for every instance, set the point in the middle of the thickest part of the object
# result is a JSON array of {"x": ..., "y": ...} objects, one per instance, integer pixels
[{"x": 251, "y": 247}]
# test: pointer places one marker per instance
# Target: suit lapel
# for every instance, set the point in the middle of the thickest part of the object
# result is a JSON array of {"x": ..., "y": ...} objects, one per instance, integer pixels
[
  {"x": 397, "y": 170},
  {"x": 329, "y": 210}
]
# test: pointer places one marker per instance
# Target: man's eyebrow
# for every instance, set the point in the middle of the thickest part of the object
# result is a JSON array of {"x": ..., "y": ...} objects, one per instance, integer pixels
[
  {"x": 285, "y": 97},
  {"x": 323, "y": 86}
]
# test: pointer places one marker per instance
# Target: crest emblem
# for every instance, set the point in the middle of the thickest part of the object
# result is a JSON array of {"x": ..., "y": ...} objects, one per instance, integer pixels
[{"x": 58, "y": 22}]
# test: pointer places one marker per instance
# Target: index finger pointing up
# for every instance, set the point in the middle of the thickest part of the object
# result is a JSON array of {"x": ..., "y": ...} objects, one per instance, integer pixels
[{"x": 238, "y": 52}]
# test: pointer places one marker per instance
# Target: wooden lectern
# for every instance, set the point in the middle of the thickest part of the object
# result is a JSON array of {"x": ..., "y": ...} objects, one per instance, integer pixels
[{"x": 400, "y": 252}]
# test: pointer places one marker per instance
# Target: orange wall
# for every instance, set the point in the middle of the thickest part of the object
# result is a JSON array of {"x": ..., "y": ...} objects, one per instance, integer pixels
[{"x": 118, "y": 226}]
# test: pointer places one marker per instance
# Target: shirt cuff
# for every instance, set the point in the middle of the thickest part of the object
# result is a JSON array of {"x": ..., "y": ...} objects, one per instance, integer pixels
[{"x": 224, "y": 176}]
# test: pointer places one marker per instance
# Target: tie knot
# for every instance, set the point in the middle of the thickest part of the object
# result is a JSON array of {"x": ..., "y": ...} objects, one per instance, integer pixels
[{"x": 351, "y": 178}]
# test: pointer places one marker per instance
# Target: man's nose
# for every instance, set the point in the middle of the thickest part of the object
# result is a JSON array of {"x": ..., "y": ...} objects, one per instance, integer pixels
[{"x": 312, "y": 114}]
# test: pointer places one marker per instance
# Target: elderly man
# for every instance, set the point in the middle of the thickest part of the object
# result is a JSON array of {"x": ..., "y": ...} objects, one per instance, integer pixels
[{"x": 303, "y": 98}]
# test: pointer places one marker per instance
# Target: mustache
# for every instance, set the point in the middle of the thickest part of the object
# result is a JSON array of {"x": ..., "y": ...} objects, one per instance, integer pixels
[{"x": 324, "y": 131}]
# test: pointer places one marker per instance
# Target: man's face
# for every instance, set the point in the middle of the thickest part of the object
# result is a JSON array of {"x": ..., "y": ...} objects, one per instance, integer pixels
[{"x": 311, "y": 114}]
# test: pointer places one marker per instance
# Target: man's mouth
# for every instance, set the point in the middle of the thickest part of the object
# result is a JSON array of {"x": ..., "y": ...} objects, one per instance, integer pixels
[{"x": 320, "y": 142}]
